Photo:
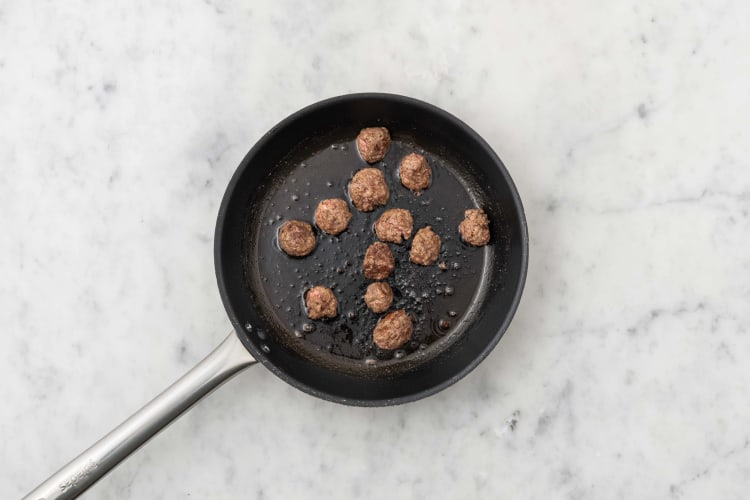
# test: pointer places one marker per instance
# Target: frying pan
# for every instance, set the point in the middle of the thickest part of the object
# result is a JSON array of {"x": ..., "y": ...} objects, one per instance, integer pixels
[{"x": 308, "y": 150}]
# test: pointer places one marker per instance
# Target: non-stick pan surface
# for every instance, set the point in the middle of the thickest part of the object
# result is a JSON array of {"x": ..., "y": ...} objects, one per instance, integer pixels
[{"x": 311, "y": 156}]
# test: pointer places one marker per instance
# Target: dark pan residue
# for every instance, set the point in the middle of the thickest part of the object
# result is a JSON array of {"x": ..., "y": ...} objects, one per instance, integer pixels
[{"x": 441, "y": 301}]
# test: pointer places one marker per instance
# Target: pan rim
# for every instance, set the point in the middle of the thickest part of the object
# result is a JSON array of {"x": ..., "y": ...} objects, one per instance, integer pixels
[{"x": 248, "y": 160}]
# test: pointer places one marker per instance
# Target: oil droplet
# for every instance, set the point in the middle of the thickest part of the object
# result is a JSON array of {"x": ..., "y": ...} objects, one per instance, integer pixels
[
  {"x": 351, "y": 315},
  {"x": 444, "y": 324},
  {"x": 449, "y": 290},
  {"x": 295, "y": 197},
  {"x": 452, "y": 314},
  {"x": 399, "y": 354},
  {"x": 265, "y": 348},
  {"x": 248, "y": 327},
  {"x": 329, "y": 183},
  {"x": 298, "y": 334},
  {"x": 308, "y": 327},
  {"x": 371, "y": 361}
]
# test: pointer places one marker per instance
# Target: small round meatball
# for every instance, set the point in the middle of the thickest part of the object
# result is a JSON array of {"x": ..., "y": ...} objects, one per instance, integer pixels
[
  {"x": 368, "y": 189},
  {"x": 296, "y": 238},
  {"x": 415, "y": 172},
  {"x": 333, "y": 215},
  {"x": 321, "y": 303},
  {"x": 379, "y": 296},
  {"x": 475, "y": 228},
  {"x": 394, "y": 225},
  {"x": 393, "y": 330},
  {"x": 425, "y": 247},
  {"x": 373, "y": 143},
  {"x": 379, "y": 262}
]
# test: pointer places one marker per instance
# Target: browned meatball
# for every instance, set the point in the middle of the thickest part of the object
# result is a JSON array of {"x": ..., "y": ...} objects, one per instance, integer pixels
[
  {"x": 373, "y": 143},
  {"x": 368, "y": 189},
  {"x": 394, "y": 225},
  {"x": 296, "y": 238},
  {"x": 333, "y": 215},
  {"x": 425, "y": 247},
  {"x": 321, "y": 303},
  {"x": 379, "y": 262},
  {"x": 379, "y": 296},
  {"x": 415, "y": 172},
  {"x": 475, "y": 228},
  {"x": 393, "y": 330}
]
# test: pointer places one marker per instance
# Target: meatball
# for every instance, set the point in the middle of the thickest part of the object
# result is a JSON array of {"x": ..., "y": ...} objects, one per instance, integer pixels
[
  {"x": 415, "y": 173},
  {"x": 393, "y": 330},
  {"x": 379, "y": 296},
  {"x": 425, "y": 247},
  {"x": 368, "y": 189},
  {"x": 373, "y": 143},
  {"x": 475, "y": 228},
  {"x": 296, "y": 238},
  {"x": 394, "y": 225},
  {"x": 333, "y": 215},
  {"x": 379, "y": 262},
  {"x": 321, "y": 303}
]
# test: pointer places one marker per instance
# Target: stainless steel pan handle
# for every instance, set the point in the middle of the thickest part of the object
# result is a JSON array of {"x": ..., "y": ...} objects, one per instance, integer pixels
[{"x": 83, "y": 471}]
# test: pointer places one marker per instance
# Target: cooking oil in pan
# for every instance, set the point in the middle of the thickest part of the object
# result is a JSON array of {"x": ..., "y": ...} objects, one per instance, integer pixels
[{"x": 437, "y": 297}]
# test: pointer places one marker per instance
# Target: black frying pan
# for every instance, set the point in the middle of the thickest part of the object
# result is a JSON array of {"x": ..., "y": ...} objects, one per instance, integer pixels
[{"x": 461, "y": 311}]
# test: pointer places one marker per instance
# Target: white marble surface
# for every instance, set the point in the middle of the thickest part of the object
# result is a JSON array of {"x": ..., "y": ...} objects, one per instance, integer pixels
[{"x": 625, "y": 125}]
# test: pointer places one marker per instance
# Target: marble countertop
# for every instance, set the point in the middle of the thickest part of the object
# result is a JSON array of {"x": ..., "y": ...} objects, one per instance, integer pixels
[{"x": 625, "y": 373}]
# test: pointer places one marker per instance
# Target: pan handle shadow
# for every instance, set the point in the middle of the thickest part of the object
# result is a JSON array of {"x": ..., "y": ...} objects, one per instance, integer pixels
[{"x": 78, "y": 475}]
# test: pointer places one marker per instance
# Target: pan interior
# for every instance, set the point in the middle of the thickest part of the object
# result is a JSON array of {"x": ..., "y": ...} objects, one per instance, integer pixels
[{"x": 442, "y": 302}]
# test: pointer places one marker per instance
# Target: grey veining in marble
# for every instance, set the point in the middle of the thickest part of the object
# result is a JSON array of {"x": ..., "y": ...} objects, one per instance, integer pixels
[{"x": 625, "y": 125}]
